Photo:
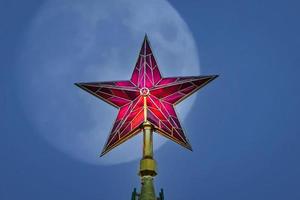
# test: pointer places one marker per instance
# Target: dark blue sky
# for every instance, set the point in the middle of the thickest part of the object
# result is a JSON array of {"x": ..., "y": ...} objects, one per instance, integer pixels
[{"x": 245, "y": 124}]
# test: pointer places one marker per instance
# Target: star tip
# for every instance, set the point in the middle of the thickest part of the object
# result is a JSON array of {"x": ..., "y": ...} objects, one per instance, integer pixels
[
  {"x": 104, "y": 151},
  {"x": 146, "y": 39},
  {"x": 77, "y": 84},
  {"x": 189, "y": 147},
  {"x": 102, "y": 154},
  {"x": 214, "y": 77}
]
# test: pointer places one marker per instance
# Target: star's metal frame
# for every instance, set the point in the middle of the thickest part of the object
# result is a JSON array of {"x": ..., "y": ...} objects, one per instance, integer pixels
[{"x": 146, "y": 103}]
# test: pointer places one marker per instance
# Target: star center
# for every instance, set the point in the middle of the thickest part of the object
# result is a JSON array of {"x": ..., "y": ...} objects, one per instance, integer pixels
[{"x": 144, "y": 91}]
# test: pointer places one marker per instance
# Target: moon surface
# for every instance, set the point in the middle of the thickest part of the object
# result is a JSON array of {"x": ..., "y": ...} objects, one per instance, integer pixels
[{"x": 72, "y": 41}]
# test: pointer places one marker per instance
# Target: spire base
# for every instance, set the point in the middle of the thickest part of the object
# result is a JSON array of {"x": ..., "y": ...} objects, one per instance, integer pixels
[
  {"x": 147, "y": 167},
  {"x": 147, "y": 190}
]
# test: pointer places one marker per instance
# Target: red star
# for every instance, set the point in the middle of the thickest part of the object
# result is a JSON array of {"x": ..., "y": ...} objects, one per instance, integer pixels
[{"x": 147, "y": 96}]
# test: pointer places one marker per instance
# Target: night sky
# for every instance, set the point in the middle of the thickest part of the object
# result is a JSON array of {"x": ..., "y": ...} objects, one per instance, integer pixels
[{"x": 244, "y": 126}]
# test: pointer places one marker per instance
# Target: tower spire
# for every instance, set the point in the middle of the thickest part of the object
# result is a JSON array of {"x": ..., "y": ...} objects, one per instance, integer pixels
[
  {"x": 147, "y": 170},
  {"x": 146, "y": 104}
]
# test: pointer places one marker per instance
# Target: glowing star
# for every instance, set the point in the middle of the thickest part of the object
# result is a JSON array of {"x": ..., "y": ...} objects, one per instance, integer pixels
[{"x": 146, "y": 97}]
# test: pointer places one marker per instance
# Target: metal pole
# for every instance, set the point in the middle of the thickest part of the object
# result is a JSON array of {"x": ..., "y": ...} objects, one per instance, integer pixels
[
  {"x": 147, "y": 165},
  {"x": 148, "y": 141}
]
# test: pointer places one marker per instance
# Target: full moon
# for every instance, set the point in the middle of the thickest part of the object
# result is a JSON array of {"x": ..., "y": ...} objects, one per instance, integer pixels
[{"x": 72, "y": 41}]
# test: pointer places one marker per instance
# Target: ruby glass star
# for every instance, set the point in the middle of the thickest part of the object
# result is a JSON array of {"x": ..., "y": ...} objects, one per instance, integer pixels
[{"x": 147, "y": 96}]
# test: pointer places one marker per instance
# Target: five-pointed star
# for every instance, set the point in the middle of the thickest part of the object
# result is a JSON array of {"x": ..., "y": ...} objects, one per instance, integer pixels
[{"x": 147, "y": 96}]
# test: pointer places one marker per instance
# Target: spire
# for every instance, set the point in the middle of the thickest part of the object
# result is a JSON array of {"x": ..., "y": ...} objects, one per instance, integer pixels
[{"x": 146, "y": 103}]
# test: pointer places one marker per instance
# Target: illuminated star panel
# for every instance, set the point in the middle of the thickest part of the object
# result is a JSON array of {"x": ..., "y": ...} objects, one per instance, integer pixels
[{"x": 146, "y": 91}]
